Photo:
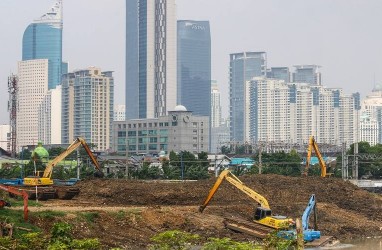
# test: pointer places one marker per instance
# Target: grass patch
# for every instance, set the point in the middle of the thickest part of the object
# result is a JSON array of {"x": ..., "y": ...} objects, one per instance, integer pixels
[
  {"x": 20, "y": 203},
  {"x": 120, "y": 215},
  {"x": 16, "y": 217},
  {"x": 49, "y": 214},
  {"x": 134, "y": 214},
  {"x": 89, "y": 216}
]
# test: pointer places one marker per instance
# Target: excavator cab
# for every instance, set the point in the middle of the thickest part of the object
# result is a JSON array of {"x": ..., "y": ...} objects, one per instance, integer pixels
[{"x": 261, "y": 213}]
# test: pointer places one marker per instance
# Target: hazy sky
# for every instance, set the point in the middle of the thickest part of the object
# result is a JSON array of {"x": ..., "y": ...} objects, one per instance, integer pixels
[{"x": 343, "y": 36}]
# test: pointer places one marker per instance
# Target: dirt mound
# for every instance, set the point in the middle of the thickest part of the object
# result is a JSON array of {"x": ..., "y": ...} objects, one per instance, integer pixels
[{"x": 344, "y": 210}]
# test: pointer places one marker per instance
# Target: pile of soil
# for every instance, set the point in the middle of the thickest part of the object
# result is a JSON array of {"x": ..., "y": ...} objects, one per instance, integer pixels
[{"x": 344, "y": 210}]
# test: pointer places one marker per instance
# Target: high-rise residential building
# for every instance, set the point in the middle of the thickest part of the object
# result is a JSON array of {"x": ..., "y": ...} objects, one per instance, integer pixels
[
  {"x": 292, "y": 112},
  {"x": 87, "y": 107},
  {"x": 119, "y": 113},
  {"x": 49, "y": 117},
  {"x": 43, "y": 40},
  {"x": 281, "y": 73},
  {"x": 194, "y": 66},
  {"x": 243, "y": 67},
  {"x": 371, "y": 116},
  {"x": 216, "y": 108},
  {"x": 368, "y": 129},
  {"x": 307, "y": 74},
  {"x": 33, "y": 86},
  {"x": 151, "y": 86},
  {"x": 5, "y": 137}
]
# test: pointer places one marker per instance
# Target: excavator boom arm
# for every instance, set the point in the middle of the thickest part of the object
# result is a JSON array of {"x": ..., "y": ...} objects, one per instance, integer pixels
[
  {"x": 232, "y": 179},
  {"x": 308, "y": 210},
  {"x": 79, "y": 141},
  {"x": 21, "y": 193},
  {"x": 313, "y": 146}
]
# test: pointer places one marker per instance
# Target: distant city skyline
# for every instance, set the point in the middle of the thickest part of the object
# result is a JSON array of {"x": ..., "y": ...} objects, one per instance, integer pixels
[{"x": 339, "y": 35}]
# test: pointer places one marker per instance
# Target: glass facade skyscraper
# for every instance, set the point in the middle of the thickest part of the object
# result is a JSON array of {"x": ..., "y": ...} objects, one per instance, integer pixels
[
  {"x": 43, "y": 40},
  {"x": 150, "y": 58},
  {"x": 243, "y": 67},
  {"x": 194, "y": 66},
  {"x": 281, "y": 73},
  {"x": 307, "y": 74}
]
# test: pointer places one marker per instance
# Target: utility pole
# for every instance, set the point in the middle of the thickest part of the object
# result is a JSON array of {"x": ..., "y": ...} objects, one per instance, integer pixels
[{"x": 127, "y": 157}]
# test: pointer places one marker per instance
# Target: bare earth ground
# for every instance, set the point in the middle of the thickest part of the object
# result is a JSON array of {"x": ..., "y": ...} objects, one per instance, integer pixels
[{"x": 127, "y": 213}]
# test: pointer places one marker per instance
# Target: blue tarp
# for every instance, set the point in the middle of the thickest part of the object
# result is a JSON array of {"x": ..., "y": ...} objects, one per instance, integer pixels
[
  {"x": 314, "y": 160},
  {"x": 242, "y": 161}
]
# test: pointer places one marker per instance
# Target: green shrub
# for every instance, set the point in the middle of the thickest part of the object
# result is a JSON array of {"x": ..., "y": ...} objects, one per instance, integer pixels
[
  {"x": 173, "y": 240},
  {"x": 91, "y": 244},
  {"x": 61, "y": 232},
  {"x": 90, "y": 216}
]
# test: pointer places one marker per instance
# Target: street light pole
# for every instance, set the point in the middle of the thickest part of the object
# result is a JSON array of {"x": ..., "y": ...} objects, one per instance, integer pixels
[{"x": 181, "y": 164}]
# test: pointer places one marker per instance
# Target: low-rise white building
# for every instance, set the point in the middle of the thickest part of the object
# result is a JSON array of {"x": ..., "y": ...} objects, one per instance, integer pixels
[{"x": 179, "y": 131}]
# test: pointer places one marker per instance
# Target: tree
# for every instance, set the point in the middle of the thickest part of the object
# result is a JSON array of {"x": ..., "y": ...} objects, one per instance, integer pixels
[{"x": 281, "y": 163}]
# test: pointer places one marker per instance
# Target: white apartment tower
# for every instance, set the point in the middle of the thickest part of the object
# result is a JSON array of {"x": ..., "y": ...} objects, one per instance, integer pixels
[
  {"x": 292, "y": 112},
  {"x": 87, "y": 106},
  {"x": 49, "y": 117},
  {"x": 5, "y": 140},
  {"x": 33, "y": 86},
  {"x": 151, "y": 79},
  {"x": 371, "y": 117},
  {"x": 216, "y": 109}
]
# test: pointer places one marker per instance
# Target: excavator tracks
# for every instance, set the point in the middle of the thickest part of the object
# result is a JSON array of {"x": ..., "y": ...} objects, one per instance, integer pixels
[{"x": 247, "y": 227}]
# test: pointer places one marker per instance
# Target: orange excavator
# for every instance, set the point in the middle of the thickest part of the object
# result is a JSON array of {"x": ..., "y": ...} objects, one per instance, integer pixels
[
  {"x": 47, "y": 189},
  {"x": 15, "y": 191},
  {"x": 45, "y": 178},
  {"x": 313, "y": 145}
]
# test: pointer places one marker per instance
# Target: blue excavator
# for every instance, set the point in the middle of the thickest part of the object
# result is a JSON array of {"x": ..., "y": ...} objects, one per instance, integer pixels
[{"x": 309, "y": 234}]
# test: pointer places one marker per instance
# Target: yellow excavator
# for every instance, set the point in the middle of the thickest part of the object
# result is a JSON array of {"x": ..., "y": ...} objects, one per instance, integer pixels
[
  {"x": 263, "y": 214},
  {"x": 313, "y": 145},
  {"x": 45, "y": 178}
]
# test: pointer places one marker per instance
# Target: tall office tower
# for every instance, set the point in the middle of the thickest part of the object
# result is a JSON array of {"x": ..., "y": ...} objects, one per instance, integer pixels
[
  {"x": 307, "y": 74},
  {"x": 87, "y": 106},
  {"x": 292, "y": 112},
  {"x": 216, "y": 108},
  {"x": 243, "y": 67},
  {"x": 194, "y": 66},
  {"x": 119, "y": 113},
  {"x": 281, "y": 73},
  {"x": 33, "y": 86},
  {"x": 49, "y": 117},
  {"x": 150, "y": 58},
  {"x": 43, "y": 40}
]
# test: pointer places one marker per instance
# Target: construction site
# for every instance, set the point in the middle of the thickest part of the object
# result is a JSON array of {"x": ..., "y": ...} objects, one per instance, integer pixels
[{"x": 127, "y": 213}]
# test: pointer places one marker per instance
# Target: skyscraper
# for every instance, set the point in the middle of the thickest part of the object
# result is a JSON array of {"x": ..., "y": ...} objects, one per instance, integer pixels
[
  {"x": 281, "y": 73},
  {"x": 43, "y": 40},
  {"x": 243, "y": 67},
  {"x": 216, "y": 108},
  {"x": 307, "y": 74},
  {"x": 87, "y": 106},
  {"x": 150, "y": 58},
  {"x": 194, "y": 66},
  {"x": 33, "y": 86}
]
